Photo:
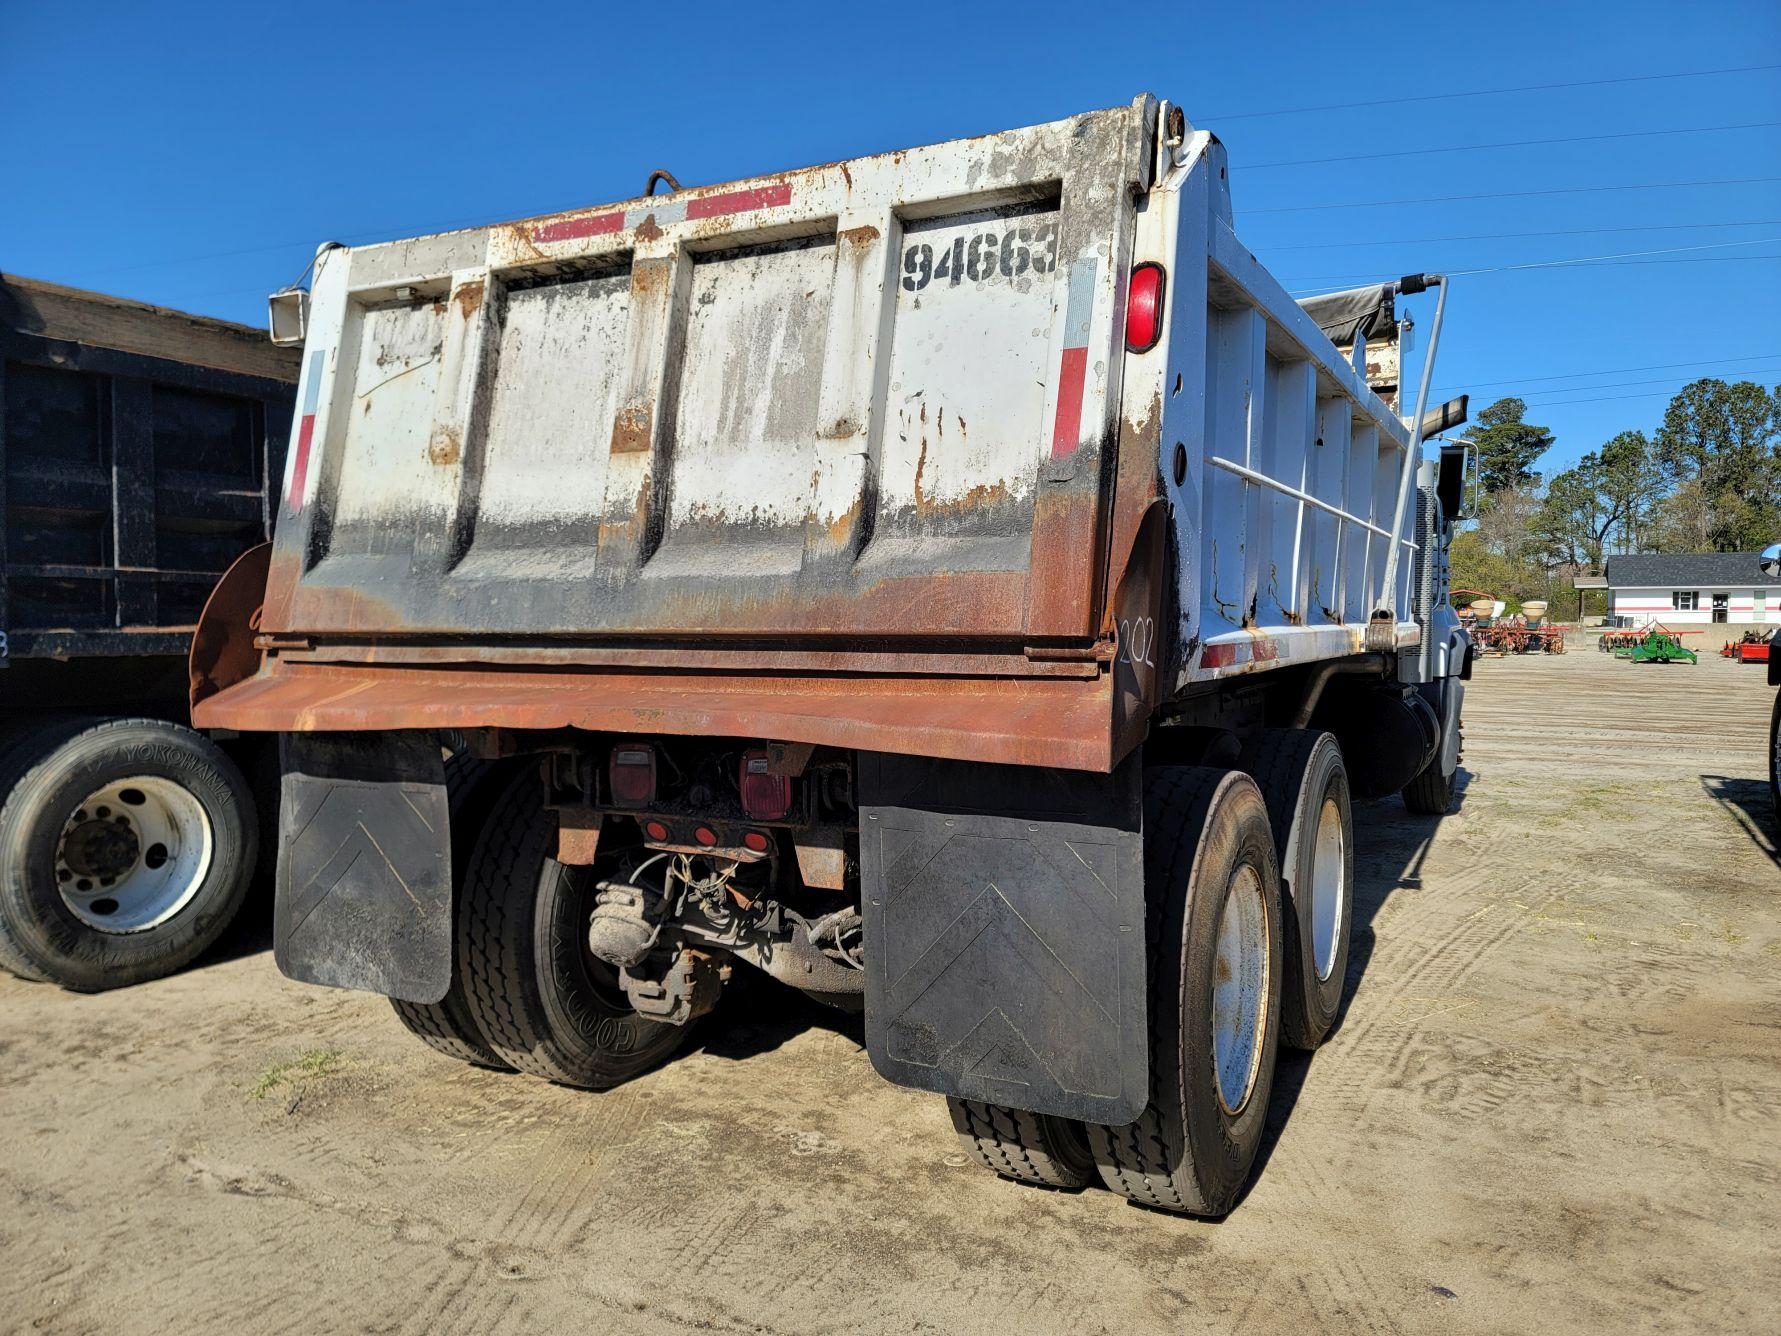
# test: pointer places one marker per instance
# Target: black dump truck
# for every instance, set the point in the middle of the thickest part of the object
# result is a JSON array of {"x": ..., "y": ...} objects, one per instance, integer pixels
[{"x": 135, "y": 447}]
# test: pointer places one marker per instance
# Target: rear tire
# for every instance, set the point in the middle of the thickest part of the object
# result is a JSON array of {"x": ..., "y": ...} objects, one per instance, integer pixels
[
  {"x": 126, "y": 848},
  {"x": 1025, "y": 1147},
  {"x": 448, "y": 1025},
  {"x": 1305, "y": 785},
  {"x": 543, "y": 1002},
  {"x": 1213, "y": 943}
]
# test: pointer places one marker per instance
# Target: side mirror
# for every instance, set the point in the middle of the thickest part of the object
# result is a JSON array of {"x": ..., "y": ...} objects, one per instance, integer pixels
[
  {"x": 1770, "y": 561},
  {"x": 1450, "y": 481},
  {"x": 287, "y": 315}
]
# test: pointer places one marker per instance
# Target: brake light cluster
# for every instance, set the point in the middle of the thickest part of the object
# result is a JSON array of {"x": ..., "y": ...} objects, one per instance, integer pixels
[
  {"x": 632, "y": 774},
  {"x": 765, "y": 796}
]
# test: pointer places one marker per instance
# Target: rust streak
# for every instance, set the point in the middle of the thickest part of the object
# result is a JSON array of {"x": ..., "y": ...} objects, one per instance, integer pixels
[
  {"x": 631, "y": 430},
  {"x": 445, "y": 447},
  {"x": 468, "y": 297}
]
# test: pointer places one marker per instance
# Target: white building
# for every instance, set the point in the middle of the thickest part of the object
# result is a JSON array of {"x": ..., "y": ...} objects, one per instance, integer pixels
[{"x": 1693, "y": 589}]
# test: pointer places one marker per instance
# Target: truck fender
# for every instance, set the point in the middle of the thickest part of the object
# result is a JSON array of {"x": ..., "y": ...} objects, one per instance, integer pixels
[{"x": 223, "y": 651}]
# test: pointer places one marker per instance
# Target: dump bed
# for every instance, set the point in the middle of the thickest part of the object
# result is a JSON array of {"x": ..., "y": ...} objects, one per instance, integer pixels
[
  {"x": 843, "y": 455},
  {"x": 847, "y": 402},
  {"x": 135, "y": 447}
]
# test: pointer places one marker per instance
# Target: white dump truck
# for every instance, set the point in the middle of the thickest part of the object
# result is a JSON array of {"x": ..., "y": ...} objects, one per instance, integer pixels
[{"x": 960, "y": 583}]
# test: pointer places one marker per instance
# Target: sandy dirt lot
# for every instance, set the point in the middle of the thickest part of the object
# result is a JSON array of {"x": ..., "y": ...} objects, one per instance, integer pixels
[{"x": 1555, "y": 1100}]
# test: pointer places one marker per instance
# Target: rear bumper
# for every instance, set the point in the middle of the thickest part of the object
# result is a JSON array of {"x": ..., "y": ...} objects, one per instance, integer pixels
[{"x": 1064, "y": 722}]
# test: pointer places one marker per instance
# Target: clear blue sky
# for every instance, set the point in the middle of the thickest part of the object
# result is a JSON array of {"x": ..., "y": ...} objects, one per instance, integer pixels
[{"x": 194, "y": 154}]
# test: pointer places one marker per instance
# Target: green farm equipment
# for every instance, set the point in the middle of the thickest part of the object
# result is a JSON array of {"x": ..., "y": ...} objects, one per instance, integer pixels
[{"x": 1656, "y": 646}]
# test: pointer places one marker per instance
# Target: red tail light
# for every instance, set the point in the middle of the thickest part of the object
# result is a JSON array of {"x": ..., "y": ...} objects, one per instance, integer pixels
[
  {"x": 765, "y": 797},
  {"x": 1144, "y": 307},
  {"x": 755, "y": 840},
  {"x": 705, "y": 836},
  {"x": 632, "y": 773}
]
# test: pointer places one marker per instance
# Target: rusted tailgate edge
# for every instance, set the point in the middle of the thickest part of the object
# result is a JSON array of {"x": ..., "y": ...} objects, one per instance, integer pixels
[{"x": 1039, "y": 721}]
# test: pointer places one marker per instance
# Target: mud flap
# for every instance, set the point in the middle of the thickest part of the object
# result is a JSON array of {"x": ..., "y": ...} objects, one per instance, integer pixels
[
  {"x": 1004, "y": 933},
  {"x": 364, "y": 864}
]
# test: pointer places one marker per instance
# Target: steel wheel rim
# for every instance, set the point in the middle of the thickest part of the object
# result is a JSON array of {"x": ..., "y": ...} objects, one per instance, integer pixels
[
  {"x": 133, "y": 853},
  {"x": 1239, "y": 989},
  {"x": 1329, "y": 887}
]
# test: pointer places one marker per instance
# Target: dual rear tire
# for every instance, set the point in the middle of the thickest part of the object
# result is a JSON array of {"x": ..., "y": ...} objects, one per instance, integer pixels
[
  {"x": 526, "y": 994},
  {"x": 1241, "y": 959}
]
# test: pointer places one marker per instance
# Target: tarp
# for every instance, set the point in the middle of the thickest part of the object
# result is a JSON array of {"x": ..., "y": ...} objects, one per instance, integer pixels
[{"x": 1337, "y": 313}]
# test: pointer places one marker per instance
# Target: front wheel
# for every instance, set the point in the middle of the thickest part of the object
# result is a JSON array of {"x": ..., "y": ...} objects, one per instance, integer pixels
[
  {"x": 1213, "y": 943},
  {"x": 126, "y": 848},
  {"x": 1431, "y": 792}
]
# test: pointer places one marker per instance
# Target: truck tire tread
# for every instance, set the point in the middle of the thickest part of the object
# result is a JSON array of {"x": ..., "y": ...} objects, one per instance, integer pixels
[
  {"x": 1025, "y": 1147},
  {"x": 68, "y": 955},
  {"x": 19, "y": 751},
  {"x": 448, "y": 1026},
  {"x": 1431, "y": 792},
  {"x": 531, "y": 1015},
  {"x": 1150, "y": 1160}
]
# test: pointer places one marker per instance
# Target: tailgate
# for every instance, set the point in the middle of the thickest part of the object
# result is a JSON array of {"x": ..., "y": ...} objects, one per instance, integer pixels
[{"x": 867, "y": 399}]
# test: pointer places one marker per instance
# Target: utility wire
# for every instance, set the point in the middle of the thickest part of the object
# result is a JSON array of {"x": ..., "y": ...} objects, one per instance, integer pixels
[
  {"x": 1613, "y": 371},
  {"x": 1499, "y": 236},
  {"x": 1493, "y": 92},
  {"x": 1581, "y": 261},
  {"x": 1606, "y": 385},
  {"x": 1513, "y": 194},
  {"x": 1507, "y": 143},
  {"x": 1609, "y": 398}
]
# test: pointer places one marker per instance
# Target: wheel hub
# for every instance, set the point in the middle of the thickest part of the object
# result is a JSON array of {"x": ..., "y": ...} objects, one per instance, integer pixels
[
  {"x": 1329, "y": 888},
  {"x": 102, "y": 849},
  {"x": 133, "y": 853},
  {"x": 1239, "y": 989}
]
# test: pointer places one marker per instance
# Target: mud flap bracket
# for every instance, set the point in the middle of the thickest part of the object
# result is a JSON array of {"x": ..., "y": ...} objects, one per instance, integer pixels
[
  {"x": 1004, "y": 932},
  {"x": 364, "y": 863}
]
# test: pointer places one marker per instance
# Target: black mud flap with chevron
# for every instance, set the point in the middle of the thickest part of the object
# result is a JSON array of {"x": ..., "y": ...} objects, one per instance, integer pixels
[
  {"x": 364, "y": 864},
  {"x": 1004, "y": 933}
]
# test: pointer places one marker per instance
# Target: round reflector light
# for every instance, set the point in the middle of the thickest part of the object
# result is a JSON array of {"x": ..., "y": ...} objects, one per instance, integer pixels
[{"x": 1144, "y": 308}]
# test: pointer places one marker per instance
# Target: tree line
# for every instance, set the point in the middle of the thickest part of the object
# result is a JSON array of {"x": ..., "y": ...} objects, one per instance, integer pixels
[{"x": 1708, "y": 479}]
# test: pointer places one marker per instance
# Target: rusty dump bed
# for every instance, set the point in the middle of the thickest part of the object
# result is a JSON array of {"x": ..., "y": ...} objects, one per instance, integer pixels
[
  {"x": 853, "y": 455},
  {"x": 136, "y": 443}
]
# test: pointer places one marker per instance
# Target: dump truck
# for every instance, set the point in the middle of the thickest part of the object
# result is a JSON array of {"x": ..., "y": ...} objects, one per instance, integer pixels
[
  {"x": 135, "y": 447},
  {"x": 959, "y": 583}
]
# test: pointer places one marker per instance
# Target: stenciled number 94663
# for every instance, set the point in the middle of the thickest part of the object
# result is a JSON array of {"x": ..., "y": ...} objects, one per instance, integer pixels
[{"x": 981, "y": 258}]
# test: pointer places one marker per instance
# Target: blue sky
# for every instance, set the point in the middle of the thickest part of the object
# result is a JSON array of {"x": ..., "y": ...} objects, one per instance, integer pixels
[{"x": 194, "y": 154}]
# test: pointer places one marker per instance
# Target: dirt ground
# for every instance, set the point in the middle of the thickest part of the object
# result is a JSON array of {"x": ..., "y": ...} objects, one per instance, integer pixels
[{"x": 1555, "y": 1100}]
